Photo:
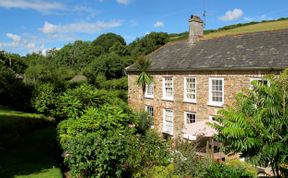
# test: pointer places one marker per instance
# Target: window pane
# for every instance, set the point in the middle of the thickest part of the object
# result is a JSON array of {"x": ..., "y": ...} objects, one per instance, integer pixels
[
  {"x": 168, "y": 121},
  {"x": 168, "y": 87},
  {"x": 190, "y": 92},
  {"x": 150, "y": 89},
  {"x": 217, "y": 90},
  {"x": 190, "y": 117}
]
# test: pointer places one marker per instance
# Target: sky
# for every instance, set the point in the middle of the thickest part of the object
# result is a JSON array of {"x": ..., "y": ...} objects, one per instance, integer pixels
[{"x": 38, "y": 25}]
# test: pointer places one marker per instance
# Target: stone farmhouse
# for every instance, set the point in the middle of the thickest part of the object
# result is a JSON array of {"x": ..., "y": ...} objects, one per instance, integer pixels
[{"x": 193, "y": 79}]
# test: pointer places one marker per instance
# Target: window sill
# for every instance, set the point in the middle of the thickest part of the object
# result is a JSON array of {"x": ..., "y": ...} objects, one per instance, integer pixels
[
  {"x": 148, "y": 97},
  {"x": 168, "y": 99},
  {"x": 220, "y": 105},
  {"x": 189, "y": 101},
  {"x": 167, "y": 132}
]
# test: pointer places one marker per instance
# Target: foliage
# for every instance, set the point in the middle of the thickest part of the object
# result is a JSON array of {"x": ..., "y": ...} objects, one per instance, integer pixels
[
  {"x": 186, "y": 162},
  {"x": 148, "y": 43},
  {"x": 119, "y": 49},
  {"x": 119, "y": 84},
  {"x": 241, "y": 165},
  {"x": 159, "y": 172},
  {"x": 73, "y": 102},
  {"x": 219, "y": 170},
  {"x": 144, "y": 78},
  {"x": 103, "y": 143},
  {"x": 257, "y": 125},
  {"x": 44, "y": 100},
  {"x": 96, "y": 142},
  {"x": 13, "y": 92},
  {"x": 106, "y": 41}
]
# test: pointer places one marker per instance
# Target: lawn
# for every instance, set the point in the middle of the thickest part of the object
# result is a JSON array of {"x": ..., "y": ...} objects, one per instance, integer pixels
[{"x": 28, "y": 146}]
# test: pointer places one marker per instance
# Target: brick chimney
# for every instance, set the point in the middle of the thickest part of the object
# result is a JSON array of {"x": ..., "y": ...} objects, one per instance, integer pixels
[{"x": 195, "y": 29}]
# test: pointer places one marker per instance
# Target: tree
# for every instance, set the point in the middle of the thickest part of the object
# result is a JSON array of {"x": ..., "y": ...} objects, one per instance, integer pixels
[
  {"x": 148, "y": 43},
  {"x": 106, "y": 41},
  {"x": 144, "y": 77},
  {"x": 256, "y": 126}
]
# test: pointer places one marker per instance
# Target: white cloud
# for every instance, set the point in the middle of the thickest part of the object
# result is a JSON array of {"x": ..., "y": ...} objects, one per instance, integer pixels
[
  {"x": 81, "y": 27},
  {"x": 30, "y": 46},
  {"x": 49, "y": 28},
  {"x": 159, "y": 24},
  {"x": 232, "y": 15},
  {"x": 126, "y": 2},
  {"x": 17, "y": 42},
  {"x": 38, "y": 5},
  {"x": 15, "y": 38}
]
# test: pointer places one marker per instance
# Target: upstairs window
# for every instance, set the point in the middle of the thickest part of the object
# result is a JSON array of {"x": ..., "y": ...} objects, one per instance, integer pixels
[
  {"x": 168, "y": 88},
  {"x": 190, "y": 117},
  {"x": 190, "y": 89},
  {"x": 259, "y": 81},
  {"x": 216, "y": 91},
  {"x": 168, "y": 121},
  {"x": 149, "y": 90}
]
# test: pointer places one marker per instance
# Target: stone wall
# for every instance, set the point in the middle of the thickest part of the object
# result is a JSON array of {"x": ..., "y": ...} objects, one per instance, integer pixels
[{"x": 234, "y": 82}]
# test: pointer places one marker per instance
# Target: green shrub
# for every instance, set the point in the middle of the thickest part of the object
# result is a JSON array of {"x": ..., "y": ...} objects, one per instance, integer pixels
[
  {"x": 44, "y": 98},
  {"x": 243, "y": 165},
  {"x": 73, "y": 102},
  {"x": 219, "y": 170},
  {"x": 104, "y": 142}
]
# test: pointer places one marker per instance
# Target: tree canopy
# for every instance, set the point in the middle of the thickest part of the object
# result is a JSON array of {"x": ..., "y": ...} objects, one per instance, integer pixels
[{"x": 257, "y": 125}]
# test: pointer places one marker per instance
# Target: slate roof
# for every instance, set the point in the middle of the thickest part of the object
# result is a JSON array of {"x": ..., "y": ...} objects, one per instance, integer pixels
[{"x": 259, "y": 50}]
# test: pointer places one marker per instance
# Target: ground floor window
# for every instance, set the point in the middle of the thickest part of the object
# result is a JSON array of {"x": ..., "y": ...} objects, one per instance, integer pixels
[
  {"x": 150, "y": 111},
  {"x": 190, "y": 117},
  {"x": 168, "y": 121}
]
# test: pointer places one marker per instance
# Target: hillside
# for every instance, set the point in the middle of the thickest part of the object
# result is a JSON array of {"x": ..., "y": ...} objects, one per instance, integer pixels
[{"x": 237, "y": 29}]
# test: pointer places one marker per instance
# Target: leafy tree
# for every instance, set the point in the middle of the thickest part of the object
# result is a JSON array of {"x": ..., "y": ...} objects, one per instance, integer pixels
[
  {"x": 13, "y": 92},
  {"x": 119, "y": 49},
  {"x": 106, "y": 41},
  {"x": 148, "y": 43},
  {"x": 256, "y": 126}
]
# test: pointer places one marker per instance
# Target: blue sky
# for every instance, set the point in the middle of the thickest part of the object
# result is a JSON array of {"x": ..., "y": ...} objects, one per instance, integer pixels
[{"x": 37, "y": 25}]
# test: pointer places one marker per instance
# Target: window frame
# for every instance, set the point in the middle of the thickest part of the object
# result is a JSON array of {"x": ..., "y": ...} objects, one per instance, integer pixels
[
  {"x": 186, "y": 99},
  {"x": 164, "y": 92},
  {"x": 146, "y": 94},
  {"x": 185, "y": 117},
  {"x": 257, "y": 79},
  {"x": 164, "y": 127},
  {"x": 210, "y": 101},
  {"x": 149, "y": 113}
]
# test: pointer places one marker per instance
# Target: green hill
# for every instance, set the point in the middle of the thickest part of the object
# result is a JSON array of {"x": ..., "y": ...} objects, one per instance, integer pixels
[{"x": 237, "y": 29}]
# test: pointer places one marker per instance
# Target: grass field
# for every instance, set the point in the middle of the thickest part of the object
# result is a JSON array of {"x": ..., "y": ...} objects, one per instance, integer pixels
[
  {"x": 266, "y": 26},
  {"x": 28, "y": 146}
]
